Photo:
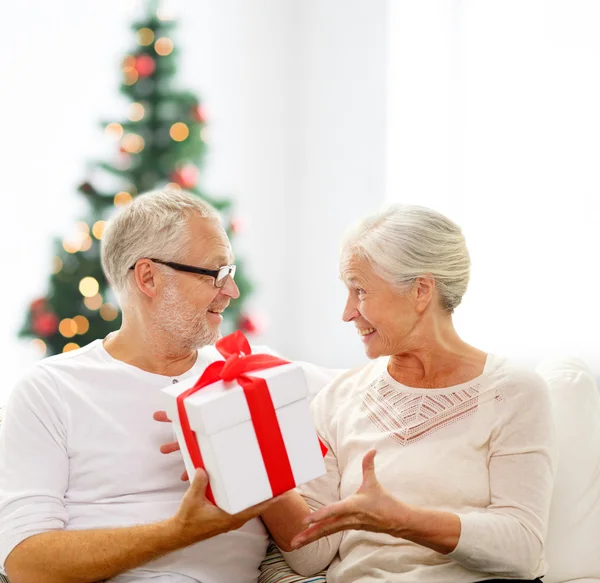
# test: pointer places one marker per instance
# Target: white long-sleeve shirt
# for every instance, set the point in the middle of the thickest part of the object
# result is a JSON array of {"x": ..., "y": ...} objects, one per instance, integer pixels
[
  {"x": 79, "y": 450},
  {"x": 483, "y": 450}
]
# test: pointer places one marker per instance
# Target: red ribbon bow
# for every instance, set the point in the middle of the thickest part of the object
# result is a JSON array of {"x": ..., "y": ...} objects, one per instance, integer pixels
[{"x": 239, "y": 361}]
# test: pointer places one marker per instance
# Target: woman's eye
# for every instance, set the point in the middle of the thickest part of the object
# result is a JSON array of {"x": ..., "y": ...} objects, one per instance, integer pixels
[{"x": 360, "y": 292}]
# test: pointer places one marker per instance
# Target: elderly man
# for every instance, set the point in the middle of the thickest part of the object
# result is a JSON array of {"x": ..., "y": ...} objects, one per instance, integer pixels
[{"x": 85, "y": 494}]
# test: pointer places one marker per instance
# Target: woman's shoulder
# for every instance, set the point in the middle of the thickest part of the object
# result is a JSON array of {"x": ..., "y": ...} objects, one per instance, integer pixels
[{"x": 513, "y": 378}]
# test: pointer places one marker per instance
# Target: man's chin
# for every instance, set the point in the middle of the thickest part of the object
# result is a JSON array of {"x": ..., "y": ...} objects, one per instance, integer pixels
[{"x": 209, "y": 340}]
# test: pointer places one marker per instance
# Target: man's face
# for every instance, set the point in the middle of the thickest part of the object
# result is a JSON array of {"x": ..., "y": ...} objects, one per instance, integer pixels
[{"x": 189, "y": 305}]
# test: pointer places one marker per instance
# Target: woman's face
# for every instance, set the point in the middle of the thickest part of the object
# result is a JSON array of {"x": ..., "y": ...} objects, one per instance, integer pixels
[{"x": 385, "y": 317}]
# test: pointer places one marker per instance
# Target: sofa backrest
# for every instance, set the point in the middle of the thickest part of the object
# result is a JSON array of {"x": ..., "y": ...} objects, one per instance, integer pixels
[{"x": 573, "y": 542}]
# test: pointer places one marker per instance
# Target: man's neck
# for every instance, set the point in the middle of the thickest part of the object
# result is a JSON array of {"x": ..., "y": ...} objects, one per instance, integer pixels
[{"x": 128, "y": 347}]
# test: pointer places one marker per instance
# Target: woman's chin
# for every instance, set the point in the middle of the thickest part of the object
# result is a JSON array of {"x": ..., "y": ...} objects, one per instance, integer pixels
[{"x": 370, "y": 345}]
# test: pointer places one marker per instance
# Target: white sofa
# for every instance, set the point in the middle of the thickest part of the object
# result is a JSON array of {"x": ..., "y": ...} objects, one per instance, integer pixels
[{"x": 573, "y": 541}]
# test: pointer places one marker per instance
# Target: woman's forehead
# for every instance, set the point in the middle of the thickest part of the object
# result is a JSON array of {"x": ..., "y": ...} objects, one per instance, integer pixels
[{"x": 354, "y": 268}]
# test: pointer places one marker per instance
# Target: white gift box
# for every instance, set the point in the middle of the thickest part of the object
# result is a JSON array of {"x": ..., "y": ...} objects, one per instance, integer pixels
[{"x": 220, "y": 417}]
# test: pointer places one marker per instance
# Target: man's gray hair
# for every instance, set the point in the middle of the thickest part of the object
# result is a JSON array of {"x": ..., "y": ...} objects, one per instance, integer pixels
[
  {"x": 153, "y": 225},
  {"x": 404, "y": 242}
]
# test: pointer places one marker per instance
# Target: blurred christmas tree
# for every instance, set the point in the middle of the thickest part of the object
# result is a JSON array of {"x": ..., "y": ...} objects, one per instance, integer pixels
[{"x": 161, "y": 143}]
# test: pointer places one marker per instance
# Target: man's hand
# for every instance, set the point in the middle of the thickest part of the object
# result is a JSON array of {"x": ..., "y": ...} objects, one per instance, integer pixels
[
  {"x": 198, "y": 519},
  {"x": 171, "y": 446}
]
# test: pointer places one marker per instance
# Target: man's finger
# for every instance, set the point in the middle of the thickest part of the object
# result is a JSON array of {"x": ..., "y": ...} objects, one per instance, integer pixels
[
  {"x": 169, "y": 447},
  {"x": 184, "y": 477},
  {"x": 161, "y": 416},
  {"x": 200, "y": 482},
  {"x": 255, "y": 510}
]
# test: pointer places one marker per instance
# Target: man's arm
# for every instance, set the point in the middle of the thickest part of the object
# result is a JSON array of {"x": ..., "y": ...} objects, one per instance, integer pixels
[{"x": 88, "y": 556}]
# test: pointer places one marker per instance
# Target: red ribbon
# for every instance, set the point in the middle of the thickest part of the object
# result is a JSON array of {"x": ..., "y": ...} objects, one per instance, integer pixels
[{"x": 239, "y": 361}]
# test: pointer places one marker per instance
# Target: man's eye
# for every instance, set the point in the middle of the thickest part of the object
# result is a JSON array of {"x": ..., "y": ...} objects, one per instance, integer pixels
[{"x": 360, "y": 292}]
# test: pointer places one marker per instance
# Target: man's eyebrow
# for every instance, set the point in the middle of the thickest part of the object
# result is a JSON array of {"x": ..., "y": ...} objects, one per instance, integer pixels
[{"x": 221, "y": 260}]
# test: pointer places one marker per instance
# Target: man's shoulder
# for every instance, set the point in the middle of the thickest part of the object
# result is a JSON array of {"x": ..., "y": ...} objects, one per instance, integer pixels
[
  {"x": 73, "y": 357},
  {"x": 45, "y": 372}
]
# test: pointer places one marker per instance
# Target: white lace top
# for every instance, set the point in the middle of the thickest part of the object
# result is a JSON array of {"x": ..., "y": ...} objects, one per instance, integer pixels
[{"x": 482, "y": 449}]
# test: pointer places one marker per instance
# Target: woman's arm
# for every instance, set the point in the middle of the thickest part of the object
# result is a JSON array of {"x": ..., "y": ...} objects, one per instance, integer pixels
[
  {"x": 286, "y": 519},
  {"x": 508, "y": 537}
]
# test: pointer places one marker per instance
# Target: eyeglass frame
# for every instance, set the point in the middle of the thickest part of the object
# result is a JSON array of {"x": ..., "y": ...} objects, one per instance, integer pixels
[{"x": 198, "y": 270}]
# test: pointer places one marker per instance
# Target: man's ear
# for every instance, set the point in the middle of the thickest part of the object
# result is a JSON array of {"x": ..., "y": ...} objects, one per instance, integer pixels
[
  {"x": 146, "y": 275},
  {"x": 424, "y": 289}
]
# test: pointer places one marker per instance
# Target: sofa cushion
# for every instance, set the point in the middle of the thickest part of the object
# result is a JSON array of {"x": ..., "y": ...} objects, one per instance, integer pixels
[
  {"x": 274, "y": 569},
  {"x": 573, "y": 542}
]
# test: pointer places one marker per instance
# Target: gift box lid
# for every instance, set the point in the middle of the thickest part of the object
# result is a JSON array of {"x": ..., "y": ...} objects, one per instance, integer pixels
[{"x": 222, "y": 405}]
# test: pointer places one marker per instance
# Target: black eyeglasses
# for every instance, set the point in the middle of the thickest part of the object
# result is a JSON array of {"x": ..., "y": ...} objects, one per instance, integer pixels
[{"x": 219, "y": 274}]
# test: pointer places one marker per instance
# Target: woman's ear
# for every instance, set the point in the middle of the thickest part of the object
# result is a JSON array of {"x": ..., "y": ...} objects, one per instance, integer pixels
[{"x": 424, "y": 289}]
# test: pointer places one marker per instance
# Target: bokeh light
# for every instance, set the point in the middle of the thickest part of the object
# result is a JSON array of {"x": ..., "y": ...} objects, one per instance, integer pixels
[
  {"x": 70, "y": 346},
  {"x": 131, "y": 77},
  {"x": 93, "y": 303},
  {"x": 70, "y": 246},
  {"x": 82, "y": 228},
  {"x": 163, "y": 46},
  {"x": 67, "y": 327},
  {"x": 145, "y": 36},
  {"x": 108, "y": 312},
  {"x": 132, "y": 143},
  {"x": 122, "y": 199},
  {"x": 128, "y": 64},
  {"x": 179, "y": 131},
  {"x": 98, "y": 229},
  {"x": 86, "y": 243},
  {"x": 136, "y": 111},
  {"x": 89, "y": 287},
  {"x": 83, "y": 324},
  {"x": 165, "y": 12},
  {"x": 114, "y": 130},
  {"x": 39, "y": 345}
]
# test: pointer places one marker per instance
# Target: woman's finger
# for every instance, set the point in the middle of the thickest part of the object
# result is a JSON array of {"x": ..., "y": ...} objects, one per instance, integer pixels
[
  {"x": 337, "y": 509},
  {"x": 368, "y": 469},
  {"x": 319, "y": 530}
]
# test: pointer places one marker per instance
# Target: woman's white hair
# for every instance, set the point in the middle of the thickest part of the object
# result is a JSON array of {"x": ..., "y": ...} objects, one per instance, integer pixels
[
  {"x": 404, "y": 242},
  {"x": 153, "y": 225}
]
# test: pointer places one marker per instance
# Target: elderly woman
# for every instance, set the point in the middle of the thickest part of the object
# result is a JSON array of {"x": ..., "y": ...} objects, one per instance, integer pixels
[{"x": 440, "y": 463}]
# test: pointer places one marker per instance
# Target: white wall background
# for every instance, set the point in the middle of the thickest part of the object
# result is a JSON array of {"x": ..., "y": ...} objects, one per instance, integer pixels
[
  {"x": 296, "y": 98},
  {"x": 484, "y": 109},
  {"x": 494, "y": 119}
]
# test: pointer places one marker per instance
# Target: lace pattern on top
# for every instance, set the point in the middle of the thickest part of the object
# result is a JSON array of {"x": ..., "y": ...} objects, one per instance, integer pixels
[{"x": 408, "y": 417}]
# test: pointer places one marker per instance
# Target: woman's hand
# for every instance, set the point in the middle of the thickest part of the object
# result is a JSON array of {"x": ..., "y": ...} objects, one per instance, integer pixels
[
  {"x": 171, "y": 446},
  {"x": 371, "y": 508}
]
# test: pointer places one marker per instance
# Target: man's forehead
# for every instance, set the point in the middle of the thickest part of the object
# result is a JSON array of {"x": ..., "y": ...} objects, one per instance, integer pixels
[
  {"x": 216, "y": 251},
  {"x": 217, "y": 258},
  {"x": 209, "y": 242}
]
